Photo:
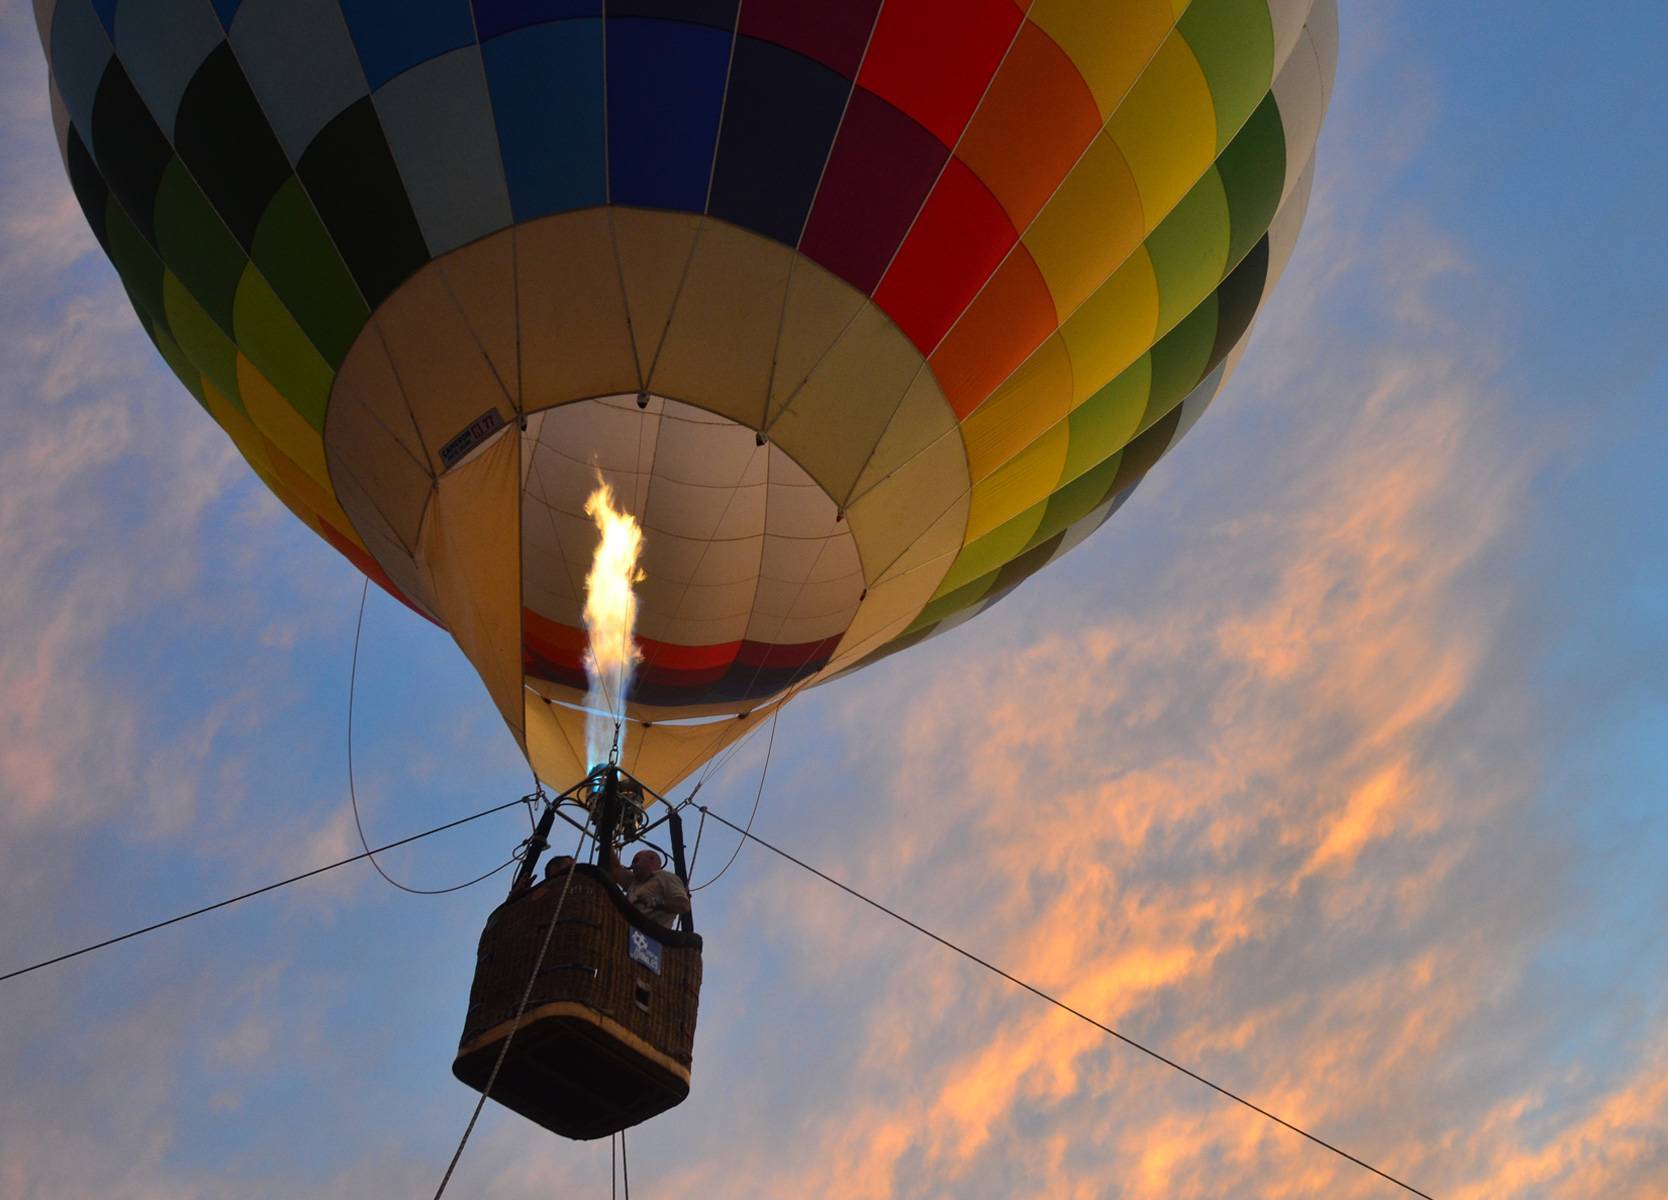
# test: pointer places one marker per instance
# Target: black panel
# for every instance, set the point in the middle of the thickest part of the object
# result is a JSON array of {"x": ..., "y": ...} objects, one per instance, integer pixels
[
  {"x": 1011, "y": 574},
  {"x": 1144, "y": 451},
  {"x": 225, "y": 140},
  {"x": 780, "y": 117},
  {"x": 130, "y": 149},
  {"x": 1237, "y": 298},
  {"x": 720, "y": 14},
  {"x": 350, "y": 174},
  {"x": 91, "y": 192}
]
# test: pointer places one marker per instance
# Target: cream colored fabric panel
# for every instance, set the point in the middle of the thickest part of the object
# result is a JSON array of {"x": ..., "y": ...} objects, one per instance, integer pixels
[
  {"x": 819, "y": 307},
  {"x": 663, "y": 755},
  {"x": 556, "y": 743},
  {"x": 1299, "y": 92},
  {"x": 480, "y": 279},
  {"x": 944, "y": 536},
  {"x": 654, "y": 252},
  {"x": 1283, "y": 230},
  {"x": 367, "y": 377},
  {"x": 574, "y": 338},
  {"x": 833, "y": 422},
  {"x": 889, "y": 517},
  {"x": 922, "y": 420},
  {"x": 887, "y": 612},
  {"x": 470, "y": 546},
  {"x": 446, "y": 378},
  {"x": 394, "y": 484},
  {"x": 381, "y": 542},
  {"x": 722, "y": 334},
  {"x": 1323, "y": 28}
]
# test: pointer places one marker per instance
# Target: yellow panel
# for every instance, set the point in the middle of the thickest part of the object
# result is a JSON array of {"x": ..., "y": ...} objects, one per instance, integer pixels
[
  {"x": 1030, "y": 400},
  {"x": 471, "y": 546},
  {"x": 231, "y": 418},
  {"x": 317, "y": 501},
  {"x": 575, "y": 341},
  {"x": 1023, "y": 481},
  {"x": 1108, "y": 44},
  {"x": 1114, "y": 328},
  {"x": 1167, "y": 128},
  {"x": 555, "y": 743},
  {"x": 723, "y": 330},
  {"x": 1090, "y": 226},
  {"x": 654, "y": 253},
  {"x": 281, "y": 424},
  {"x": 834, "y": 421}
]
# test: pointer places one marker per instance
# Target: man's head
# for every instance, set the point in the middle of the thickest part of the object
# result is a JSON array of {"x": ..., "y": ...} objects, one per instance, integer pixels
[
  {"x": 557, "y": 865},
  {"x": 644, "y": 864}
]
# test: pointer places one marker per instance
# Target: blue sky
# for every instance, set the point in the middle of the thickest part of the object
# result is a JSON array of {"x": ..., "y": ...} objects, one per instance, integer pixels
[{"x": 1334, "y": 764}]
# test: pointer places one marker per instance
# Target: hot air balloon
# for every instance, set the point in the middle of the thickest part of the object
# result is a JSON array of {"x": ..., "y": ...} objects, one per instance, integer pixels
[{"x": 866, "y": 310}]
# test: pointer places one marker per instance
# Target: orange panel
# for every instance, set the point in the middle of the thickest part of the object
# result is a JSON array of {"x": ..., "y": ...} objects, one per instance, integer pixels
[
  {"x": 1010, "y": 319},
  {"x": 1036, "y": 120}
]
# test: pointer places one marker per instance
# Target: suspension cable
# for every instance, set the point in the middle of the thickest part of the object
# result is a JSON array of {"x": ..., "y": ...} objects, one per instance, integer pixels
[
  {"x": 1062, "y": 1005},
  {"x": 197, "y": 912},
  {"x": 520, "y": 1010},
  {"x": 353, "y": 792},
  {"x": 763, "y": 771}
]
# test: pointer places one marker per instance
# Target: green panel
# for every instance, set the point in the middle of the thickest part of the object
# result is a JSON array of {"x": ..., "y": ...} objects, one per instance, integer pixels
[
  {"x": 300, "y": 261},
  {"x": 196, "y": 244},
  {"x": 1190, "y": 250},
  {"x": 1103, "y": 424},
  {"x": 200, "y": 338},
  {"x": 995, "y": 548},
  {"x": 135, "y": 261},
  {"x": 270, "y": 338},
  {"x": 1234, "y": 43},
  {"x": 178, "y": 363},
  {"x": 951, "y": 603},
  {"x": 1076, "y": 500},
  {"x": 1253, "y": 170},
  {"x": 1180, "y": 360}
]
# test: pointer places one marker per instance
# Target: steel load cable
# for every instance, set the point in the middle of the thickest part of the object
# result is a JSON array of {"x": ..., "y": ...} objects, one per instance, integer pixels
[
  {"x": 197, "y": 912},
  {"x": 1063, "y": 1006}
]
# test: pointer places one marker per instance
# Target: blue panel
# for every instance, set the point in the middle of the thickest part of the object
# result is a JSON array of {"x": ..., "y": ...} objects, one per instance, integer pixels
[
  {"x": 493, "y": 17},
  {"x": 226, "y": 10},
  {"x": 106, "y": 10},
  {"x": 546, "y": 84},
  {"x": 665, "y": 89},
  {"x": 393, "y": 35}
]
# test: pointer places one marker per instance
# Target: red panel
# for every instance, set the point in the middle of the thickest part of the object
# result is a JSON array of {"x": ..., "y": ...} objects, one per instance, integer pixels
[
  {"x": 769, "y": 654},
  {"x": 1036, "y": 121},
  {"x": 933, "y": 58},
  {"x": 879, "y": 172},
  {"x": 1011, "y": 318},
  {"x": 833, "y": 34},
  {"x": 958, "y": 241}
]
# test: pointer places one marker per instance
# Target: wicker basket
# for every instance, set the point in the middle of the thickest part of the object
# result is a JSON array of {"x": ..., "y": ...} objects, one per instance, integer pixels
[{"x": 606, "y": 1039}]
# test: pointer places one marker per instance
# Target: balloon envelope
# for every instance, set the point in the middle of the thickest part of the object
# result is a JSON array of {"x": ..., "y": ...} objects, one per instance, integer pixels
[{"x": 866, "y": 310}]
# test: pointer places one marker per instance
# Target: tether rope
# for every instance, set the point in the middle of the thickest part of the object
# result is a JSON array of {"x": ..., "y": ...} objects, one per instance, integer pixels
[
  {"x": 521, "y": 1009},
  {"x": 1064, "y": 1007},
  {"x": 197, "y": 912}
]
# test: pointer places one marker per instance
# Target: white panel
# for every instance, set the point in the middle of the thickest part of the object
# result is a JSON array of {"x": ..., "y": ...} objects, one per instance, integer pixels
[
  {"x": 438, "y": 120},
  {"x": 1323, "y": 27},
  {"x": 1299, "y": 93},
  {"x": 1287, "y": 17},
  {"x": 300, "y": 61},
  {"x": 80, "y": 52},
  {"x": 162, "y": 43}
]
